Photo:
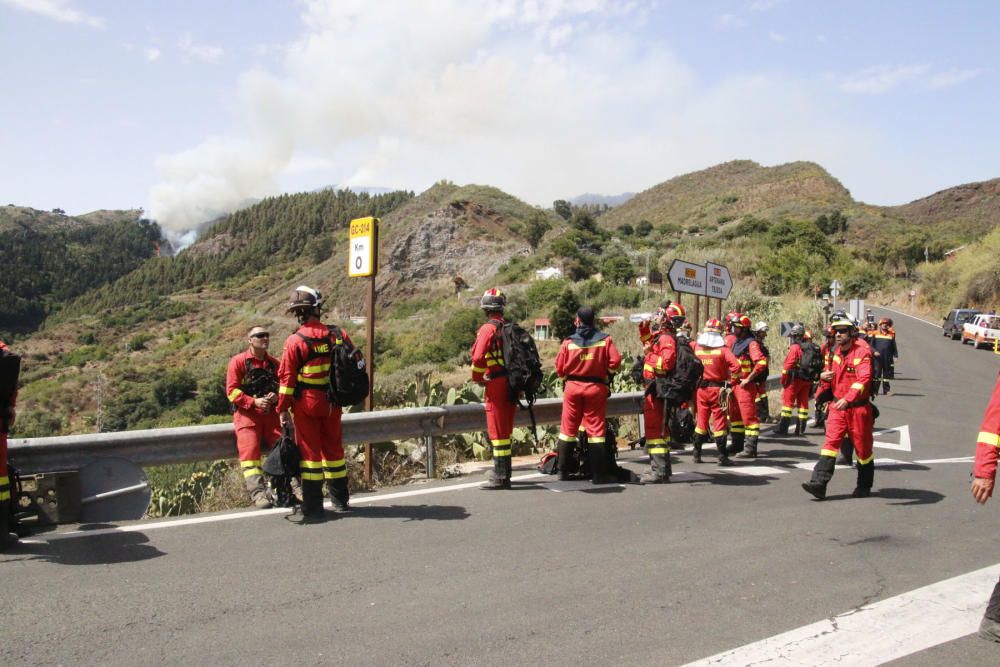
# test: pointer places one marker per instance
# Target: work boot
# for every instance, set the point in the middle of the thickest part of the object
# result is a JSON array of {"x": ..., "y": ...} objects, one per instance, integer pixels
[
  {"x": 800, "y": 426},
  {"x": 819, "y": 421},
  {"x": 296, "y": 485},
  {"x": 720, "y": 446},
  {"x": 499, "y": 477},
  {"x": 737, "y": 445},
  {"x": 866, "y": 479},
  {"x": 782, "y": 427},
  {"x": 340, "y": 494},
  {"x": 821, "y": 476},
  {"x": 257, "y": 489},
  {"x": 659, "y": 467},
  {"x": 600, "y": 471},
  {"x": 750, "y": 451},
  {"x": 699, "y": 440},
  {"x": 262, "y": 499},
  {"x": 565, "y": 456},
  {"x": 7, "y": 539},
  {"x": 311, "y": 509},
  {"x": 846, "y": 455},
  {"x": 885, "y": 388}
]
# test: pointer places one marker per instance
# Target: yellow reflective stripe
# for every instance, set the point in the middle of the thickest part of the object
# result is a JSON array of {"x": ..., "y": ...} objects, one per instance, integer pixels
[
  {"x": 491, "y": 362},
  {"x": 862, "y": 461},
  {"x": 762, "y": 362},
  {"x": 600, "y": 343},
  {"x": 334, "y": 474},
  {"x": 502, "y": 441},
  {"x": 828, "y": 452},
  {"x": 314, "y": 381},
  {"x": 334, "y": 464},
  {"x": 657, "y": 441},
  {"x": 567, "y": 438},
  {"x": 786, "y": 412},
  {"x": 4, "y": 481},
  {"x": 234, "y": 394},
  {"x": 858, "y": 386},
  {"x": 784, "y": 372},
  {"x": 477, "y": 369},
  {"x": 598, "y": 440},
  {"x": 253, "y": 463},
  {"x": 250, "y": 472},
  {"x": 699, "y": 430},
  {"x": 717, "y": 434},
  {"x": 313, "y": 465},
  {"x": 287, "y": 391},
  {"x": 988, "y": 438},
  {"x": 647, "y": 367},
  {"x": 318, "y": 368},
  {"x": 4, "y": 495},
  {"x": 708, "y": 353},
  {"x": 837, "y": 359},
  {"x": 312, "y": 476},
  {"x": 857, "y": 360}
]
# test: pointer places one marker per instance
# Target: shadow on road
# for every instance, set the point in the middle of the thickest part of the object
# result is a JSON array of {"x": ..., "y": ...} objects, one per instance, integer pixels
[
  {"x": 111, "y": 548},
  {"x": 909, "y": 496},
  {"x": 898, "y": 393},
  {"x": 410, "y": 512}
]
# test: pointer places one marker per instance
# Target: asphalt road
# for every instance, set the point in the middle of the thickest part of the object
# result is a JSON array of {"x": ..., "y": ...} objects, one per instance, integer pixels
[{"x": 547, "y": 573}]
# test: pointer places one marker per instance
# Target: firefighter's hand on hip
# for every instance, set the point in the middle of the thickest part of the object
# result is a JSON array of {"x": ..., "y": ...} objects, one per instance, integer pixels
[{"x": 841, "y": 404}]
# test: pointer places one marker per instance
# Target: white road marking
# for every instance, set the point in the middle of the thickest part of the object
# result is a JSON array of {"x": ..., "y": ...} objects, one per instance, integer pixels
[
  {"x": 754, "y": 471},
  {"x": 879, "y": 632},
  {"x": 904, "y": 438},
  {"x": 809, "y": 465},
  {"x": 958, "y": 459}
]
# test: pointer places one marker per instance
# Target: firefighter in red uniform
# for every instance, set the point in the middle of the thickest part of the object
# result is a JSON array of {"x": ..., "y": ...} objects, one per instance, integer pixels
[
  {"x": 720, "y": 366},
  {"x": 586, "y": 361},
  {"x": 303, "y": 379},
  {"x": 488, "y": 370},
  {"x": 660, "y": 350},
  {"x": 850, "y": 412},
  {"x": 252, "y": 385},
  {"x": 753, "y": 364},
  {"x": 795, "y": 392},
  {"x": 8, "y": 414},
  {"x": 760, "y": 331},
  {"x": 883, "y": 344},
  {"x": 984, "y": 477}
]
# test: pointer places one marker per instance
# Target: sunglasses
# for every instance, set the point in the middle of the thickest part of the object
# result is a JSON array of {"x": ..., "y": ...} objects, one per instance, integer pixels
[{"x": 260, "y": 335}]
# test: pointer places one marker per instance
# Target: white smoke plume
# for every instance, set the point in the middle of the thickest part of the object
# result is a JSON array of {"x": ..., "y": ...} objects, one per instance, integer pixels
[{"x": 542, "y": 99}]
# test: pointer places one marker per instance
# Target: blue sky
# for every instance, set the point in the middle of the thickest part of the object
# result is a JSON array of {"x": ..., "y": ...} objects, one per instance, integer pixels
[{"x": 189, "y": 108}]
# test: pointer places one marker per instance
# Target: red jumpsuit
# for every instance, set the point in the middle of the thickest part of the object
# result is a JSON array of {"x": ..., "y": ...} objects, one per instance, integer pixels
[
  {"x": 744, "y": 419},
  {"x": 989, "y": 438},
  {"x": 302, "y": 384},
  {"x": 252, "y": 425},
  {"x": 795, "y": 395},
  {"x": 4, "y": 477},
  {"x": 661, "y": 357},
  {"x": 488, "y": 369},
  {"x": 852, "y": 372},
  {"x": 585, "y": 363},
  {"x": 720, "y": 367}
]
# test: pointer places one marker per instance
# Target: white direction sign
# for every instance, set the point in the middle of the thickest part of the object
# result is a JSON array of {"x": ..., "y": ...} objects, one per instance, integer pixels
[
  {"x": 687, "y": 277},
  {"x": 720, "y": 283},
  {"x": 361, "y": 261},
  {"x": 835, "y": 289}
]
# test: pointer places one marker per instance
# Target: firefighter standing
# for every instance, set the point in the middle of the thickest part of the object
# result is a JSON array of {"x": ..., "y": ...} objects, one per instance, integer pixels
[
  {"x": 720, "y": 366},
  {"x": 885, "y": 353},
  {"x": 8, "y": 414},
  {"x": 985, "y": 472},
  {"x": 763, "y": 409},
  {"x": 795, "y": 392},
  {"x": 752, "y": 365},
  {"x": 251, "y": 386},
  {"x": 488, "y": 369},
  {"x": 585, "y": 362},
  {"x": 849, "y": 413},
  {"x": 660, "y": 350},
  {"x": 304, "y": 377}
]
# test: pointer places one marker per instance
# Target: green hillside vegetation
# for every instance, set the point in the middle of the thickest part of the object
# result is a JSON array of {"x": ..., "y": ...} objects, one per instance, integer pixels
[
  {"x": 970, "y": 280},
  {"x": 49, "y": 259}
]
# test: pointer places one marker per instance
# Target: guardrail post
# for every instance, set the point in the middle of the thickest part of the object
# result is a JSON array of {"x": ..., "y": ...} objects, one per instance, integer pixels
[{"x": 431, "y": 457}]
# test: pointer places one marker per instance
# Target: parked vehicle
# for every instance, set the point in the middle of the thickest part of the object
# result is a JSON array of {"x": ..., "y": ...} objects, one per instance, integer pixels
[
  {"x": 981, "y": 331},
  {"x": 953, "y": 323}
]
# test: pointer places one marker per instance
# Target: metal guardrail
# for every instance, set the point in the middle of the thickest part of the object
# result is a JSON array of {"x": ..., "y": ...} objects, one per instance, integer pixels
[{"x": 188, "y": 444}]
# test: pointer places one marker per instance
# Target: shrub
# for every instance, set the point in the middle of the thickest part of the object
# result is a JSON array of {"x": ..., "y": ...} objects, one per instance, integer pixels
[
  {"x": 542, "y": 294},
  {"x": 174, "y": 388}
]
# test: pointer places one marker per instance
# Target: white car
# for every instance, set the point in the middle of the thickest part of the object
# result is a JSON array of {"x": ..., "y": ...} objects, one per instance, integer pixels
[{"x": 982, "y": 330}]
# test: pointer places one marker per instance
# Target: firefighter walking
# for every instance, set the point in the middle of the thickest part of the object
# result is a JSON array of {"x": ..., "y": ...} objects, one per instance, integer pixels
[
  {"x": 720, "y": 366},
  {"x": 984, "y": 478},
  {"x": 251, "y": 386},
  {"x": 795, "y": 387},
  {"x": 885, "y": 353},
  {"x": 304, "y": 377},
  {"x": 849, "y": 413},
  {"x": 9, "y": 371},
  {"x": 585, "y": 363},
  {"x": 488, "y": 369},
  {"x": 753, "y": 364}
]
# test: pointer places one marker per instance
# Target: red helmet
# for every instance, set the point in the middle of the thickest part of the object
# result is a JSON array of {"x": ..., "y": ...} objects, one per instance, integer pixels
[
  {"x": 742, "y": 321},
  {"x": 730, "y": 316},
  {"x": 713, "y": 326},
  {"x": 675, "y": 310},
  {"x": 493, "y": 300}
]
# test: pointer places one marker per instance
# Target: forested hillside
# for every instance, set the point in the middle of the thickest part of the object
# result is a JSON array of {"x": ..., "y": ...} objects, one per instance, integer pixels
[{"x": 49, "y": 258}]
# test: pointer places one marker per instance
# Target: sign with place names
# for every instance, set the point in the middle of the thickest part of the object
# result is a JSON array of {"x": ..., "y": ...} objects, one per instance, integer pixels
[
  {"x": 364, "y": 242},
  {"x": 687, "y": 277},
  {"x": 720, "y": 283}
]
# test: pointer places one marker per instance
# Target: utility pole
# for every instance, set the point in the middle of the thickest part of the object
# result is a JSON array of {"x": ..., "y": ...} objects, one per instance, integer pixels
[{"x": 100, "y": 402}]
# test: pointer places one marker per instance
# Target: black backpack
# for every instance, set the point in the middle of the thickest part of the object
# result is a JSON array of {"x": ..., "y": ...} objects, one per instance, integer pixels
[
  {"x": 348, "y": 371},
  {"x": 678, "y": 386},
  {"x": 281, "y": 465},
  {"x": 521, "y": 362},
  {"x": 811, "y": 363}
]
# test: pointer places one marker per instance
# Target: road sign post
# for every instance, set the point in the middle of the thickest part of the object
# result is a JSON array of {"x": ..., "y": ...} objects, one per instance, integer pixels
[
  {"x": 835, "y": 292},
  {"x": 363, "y": 263}
]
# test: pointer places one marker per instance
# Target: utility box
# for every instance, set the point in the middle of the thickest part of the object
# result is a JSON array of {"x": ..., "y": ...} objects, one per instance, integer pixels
[{"x": 54, "y": 497}]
